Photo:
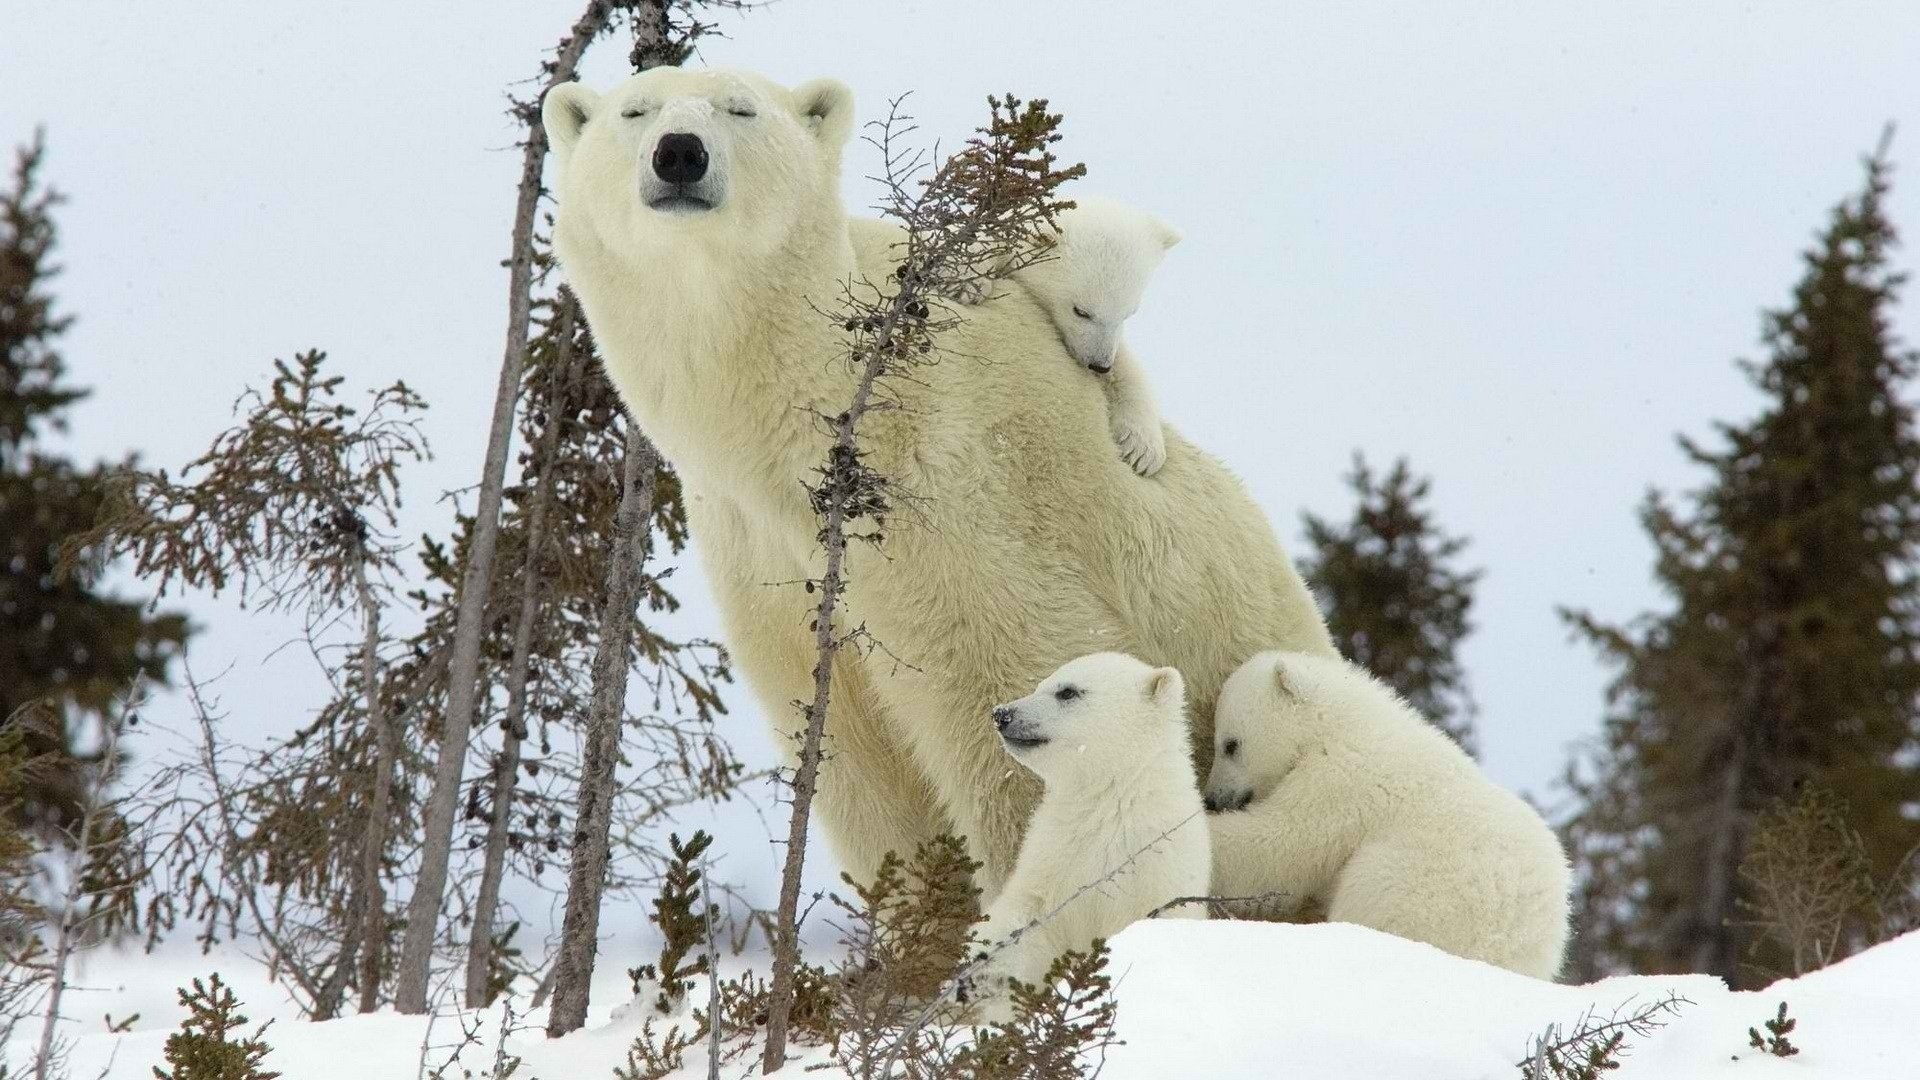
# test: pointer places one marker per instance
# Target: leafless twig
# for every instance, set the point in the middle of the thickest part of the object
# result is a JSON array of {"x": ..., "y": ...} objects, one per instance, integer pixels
[{"x": 1217, "y": 905}]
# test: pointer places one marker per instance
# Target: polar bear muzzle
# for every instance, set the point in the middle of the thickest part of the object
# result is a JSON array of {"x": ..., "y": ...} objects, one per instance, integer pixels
[
  {"x": 1227, "y": 800},
  {"x": 1016, "y": 731},
  {"x": 680, "y": 180}
]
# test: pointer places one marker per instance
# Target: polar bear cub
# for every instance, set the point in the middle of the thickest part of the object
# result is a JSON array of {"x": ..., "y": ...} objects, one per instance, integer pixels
[
  {"x": 1120, "y": 828},
  {"x": 1352, "y": 799},
  {"x": 1090, "y": 283}
]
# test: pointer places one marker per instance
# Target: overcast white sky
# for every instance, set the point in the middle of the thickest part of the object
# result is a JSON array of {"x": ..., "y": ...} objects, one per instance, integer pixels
[{"x": 1518, "y": 242}]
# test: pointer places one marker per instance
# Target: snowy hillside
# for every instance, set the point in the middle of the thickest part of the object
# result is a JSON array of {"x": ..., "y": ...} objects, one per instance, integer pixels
[{"x": 1199, "y": 999}]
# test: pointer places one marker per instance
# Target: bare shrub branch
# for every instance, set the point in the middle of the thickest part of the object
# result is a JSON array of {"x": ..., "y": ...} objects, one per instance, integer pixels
[{"x": 1593, "y": 1044}]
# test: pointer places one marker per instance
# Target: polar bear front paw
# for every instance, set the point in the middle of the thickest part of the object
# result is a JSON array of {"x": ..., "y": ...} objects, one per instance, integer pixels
[
  {"x": 1142, "y": 443},
  {"x": 984, "y": 996}
]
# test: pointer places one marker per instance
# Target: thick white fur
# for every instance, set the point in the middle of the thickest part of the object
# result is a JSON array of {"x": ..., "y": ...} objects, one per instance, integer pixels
[
  {"x": 1028, "y": 542},
  {"x": 1358, "y": 802},
  {"x": 1091, "y": 283},
  {"x": 1121, "y": 811}
]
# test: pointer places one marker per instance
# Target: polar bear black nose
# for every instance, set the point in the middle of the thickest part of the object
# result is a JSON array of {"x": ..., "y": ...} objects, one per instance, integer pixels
[
  {"x": 680, "y": 158},
  {"x": 1003, "y": 716}
]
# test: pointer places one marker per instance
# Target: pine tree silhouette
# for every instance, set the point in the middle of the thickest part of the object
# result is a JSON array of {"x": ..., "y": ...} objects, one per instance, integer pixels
[
  {"x": 1789, "y": 654},
  {"x": 1395, "y": 603},
  {"x": 68, "y": 649}
]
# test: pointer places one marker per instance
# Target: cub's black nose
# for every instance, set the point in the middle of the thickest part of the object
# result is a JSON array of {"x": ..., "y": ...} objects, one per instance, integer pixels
[
  {"x": 1003, "y": 716},
  {"x": 1224, "y": 804},
  {"x": 680, "y": 158}
]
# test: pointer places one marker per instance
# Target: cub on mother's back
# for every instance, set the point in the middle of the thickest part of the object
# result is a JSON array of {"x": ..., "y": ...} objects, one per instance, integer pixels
[
  {"x": 1333, "y": 788},
  {"x": 1090, "y": 283}
]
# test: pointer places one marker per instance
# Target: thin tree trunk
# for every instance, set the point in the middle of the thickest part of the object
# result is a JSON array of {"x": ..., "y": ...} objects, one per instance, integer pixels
[
  {"x": 328, "y": 998},
  {"x": 373, "y": 840},
  {"x": 67, "y": 928},
  {"x": 806, "y": 778},
  {"x": 587, "y": 874},
  {"x": 713, "y": 974},
  {"x": 506, "y": 767},
  {"x": 423, "y": 910},
  {"x": 43, "y": 1061},
  {"x": 1716, "y": 951},
  {"x": 1712, "y": 950}
]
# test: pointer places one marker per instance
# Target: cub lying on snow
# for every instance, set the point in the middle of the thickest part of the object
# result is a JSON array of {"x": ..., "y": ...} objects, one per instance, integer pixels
[
  {"x": 1120, "y": 829},
  {"x": 1334, "y": 789}
]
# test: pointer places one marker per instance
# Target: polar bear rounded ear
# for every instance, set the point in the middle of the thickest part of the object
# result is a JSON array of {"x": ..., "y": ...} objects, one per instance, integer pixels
[
  {"x": 1280, "y": 681},
  {"x": 565, "y": 112},
  {"x": 826, "y": 107},
  {"x": 1166, "y": 687}
]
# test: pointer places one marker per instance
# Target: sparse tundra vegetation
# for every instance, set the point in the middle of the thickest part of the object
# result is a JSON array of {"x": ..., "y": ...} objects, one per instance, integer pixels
[{"x": 850, "y": 643}]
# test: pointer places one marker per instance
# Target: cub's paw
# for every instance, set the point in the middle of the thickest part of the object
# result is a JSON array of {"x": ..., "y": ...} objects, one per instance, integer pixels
[{"x": 1142, "y": 443}]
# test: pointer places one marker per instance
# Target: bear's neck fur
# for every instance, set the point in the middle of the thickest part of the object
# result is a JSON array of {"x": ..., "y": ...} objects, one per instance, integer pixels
[{"x": 698, "y": 339}]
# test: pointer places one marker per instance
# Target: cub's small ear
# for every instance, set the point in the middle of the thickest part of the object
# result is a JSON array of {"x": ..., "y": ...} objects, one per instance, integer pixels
[
  {"x": 1167, "y": 234},
  {"x": 565, "y": 111},
  {"x": 1165, "y": 686},
  {"x": 826, "y": 107},
  {"x": 1280, "y": 682}
]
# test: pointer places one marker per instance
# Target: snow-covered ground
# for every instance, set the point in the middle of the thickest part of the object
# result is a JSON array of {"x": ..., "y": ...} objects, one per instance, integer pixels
[{"x": 1197, "y": 999}]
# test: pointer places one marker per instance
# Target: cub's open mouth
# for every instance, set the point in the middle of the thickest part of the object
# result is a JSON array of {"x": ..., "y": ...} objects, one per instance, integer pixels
[{"x": 680, "y": 203}]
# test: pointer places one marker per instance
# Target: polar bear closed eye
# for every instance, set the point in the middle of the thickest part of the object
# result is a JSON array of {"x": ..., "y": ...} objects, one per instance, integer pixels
[
  {"x": 1090, "y": 283},
  {"x": 1328, "y": 786},
  {"x": 1119, "y": 830}
]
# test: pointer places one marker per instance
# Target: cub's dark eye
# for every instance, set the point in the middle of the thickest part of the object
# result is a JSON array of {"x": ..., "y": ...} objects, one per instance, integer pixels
[
  {"x": 1066, "y": 693},
  {"x": 1082, "y": 312},
  {"x": 634, "y": 112},
  {"x": 1230, "y": 747},
  {"x": 745, "y": 112}
]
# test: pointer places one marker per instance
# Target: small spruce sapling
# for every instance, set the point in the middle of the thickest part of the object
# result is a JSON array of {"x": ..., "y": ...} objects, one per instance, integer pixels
[
  {"x": 1776, "y": 1041},
  {"x": 683, "y": 923},
  {"x": 905, "y": 934},
  {"x": 1809, "y": 881},
  {"x": 653, "y": 1056},
  {"x": 202, "y": 1048},
  {"x": 1061, "y": 1027}
]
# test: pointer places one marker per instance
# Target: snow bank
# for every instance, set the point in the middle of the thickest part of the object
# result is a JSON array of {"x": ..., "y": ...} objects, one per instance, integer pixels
[
  {"x": 1225, "y": 1000},
  {"x": 1332, "y": 1002}
]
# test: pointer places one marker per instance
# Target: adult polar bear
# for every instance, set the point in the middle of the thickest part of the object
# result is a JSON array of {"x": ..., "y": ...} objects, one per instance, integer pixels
[{"x": 699, "y": 220}]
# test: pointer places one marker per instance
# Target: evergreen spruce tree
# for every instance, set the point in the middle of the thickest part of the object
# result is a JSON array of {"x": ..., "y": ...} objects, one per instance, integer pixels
[
  {"x": 66, "y": 646},
  {"x": 1789, "y": 655},
  {"x": 293, "y": 508},
  {"x": 1394, "y": 600},
  {"x": 204, "y": 1048}
]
